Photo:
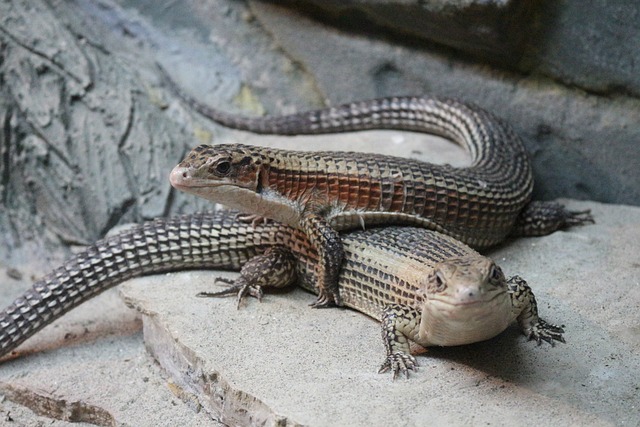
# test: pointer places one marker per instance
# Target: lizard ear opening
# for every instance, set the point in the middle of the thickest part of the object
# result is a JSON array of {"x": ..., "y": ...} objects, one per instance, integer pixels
[{"x": 259, "y": 176}]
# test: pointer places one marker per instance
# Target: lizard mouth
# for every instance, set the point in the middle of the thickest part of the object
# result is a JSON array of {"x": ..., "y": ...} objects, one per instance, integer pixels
[
  {"x": 452, "y": 302},
  {"x": 193, "y": 184}
]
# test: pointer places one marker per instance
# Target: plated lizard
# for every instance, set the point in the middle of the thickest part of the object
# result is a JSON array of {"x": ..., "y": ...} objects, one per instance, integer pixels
[
  {"x": 324, "y": 192},
  {"x": 422, "y": 285}
]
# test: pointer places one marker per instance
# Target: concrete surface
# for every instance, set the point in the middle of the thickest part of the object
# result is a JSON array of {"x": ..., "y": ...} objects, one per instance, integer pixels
[{"x": 91, "y": 368}]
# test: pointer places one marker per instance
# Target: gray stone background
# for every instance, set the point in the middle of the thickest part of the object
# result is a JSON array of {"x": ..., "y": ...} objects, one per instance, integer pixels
[{"x": 89, "y": 133}]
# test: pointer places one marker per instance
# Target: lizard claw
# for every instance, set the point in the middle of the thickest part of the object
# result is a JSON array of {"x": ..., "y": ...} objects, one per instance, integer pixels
[
  {"x": 253, "y": 290},
  {"x": 579, "y": 217},
  {"x": 399, "y": 362},
  {"x": 543, "y": 331},
  {"x": 325, "y": 300},
  {"x": 241, "y": 289}
]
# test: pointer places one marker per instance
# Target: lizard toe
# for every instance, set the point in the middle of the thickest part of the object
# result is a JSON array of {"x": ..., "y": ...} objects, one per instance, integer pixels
[
  {"x": 543, "y": 331},
  {"x": 324, "y": 301},
  {"x": 399, "y": 362}
]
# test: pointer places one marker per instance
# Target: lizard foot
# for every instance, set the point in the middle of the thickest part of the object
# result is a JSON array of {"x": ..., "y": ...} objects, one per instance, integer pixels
[
  {"x": 240, "y": 289},
  {"x": 543, "y": 331},
  {"x": 397, "y": 362},
  {"x": 540, "y": 218},
  {"x": 254, "y": 220},
  {"x": 579, "y": 217}
]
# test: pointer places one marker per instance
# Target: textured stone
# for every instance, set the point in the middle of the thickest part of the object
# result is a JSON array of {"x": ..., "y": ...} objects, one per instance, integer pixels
[
  {"x": 87, "y": 142},
  {"x": 89, "y": 368},
  {"x": 68, "y": 160},
  {"x": 280, "y": 362},
  {"x": 593, "y": 44}
]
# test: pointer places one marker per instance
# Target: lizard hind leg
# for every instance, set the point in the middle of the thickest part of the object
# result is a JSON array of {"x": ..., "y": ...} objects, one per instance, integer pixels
[
  {"x": 540, "y": 218},
  {"x": 273, "y": 269}
]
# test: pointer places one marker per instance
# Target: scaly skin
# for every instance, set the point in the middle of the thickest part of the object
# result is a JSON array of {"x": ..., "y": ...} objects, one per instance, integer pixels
[
  {"x": 321, "y": 192},
  {"x": 388, "y": 274},
  {"x": 324, "y": 192}
]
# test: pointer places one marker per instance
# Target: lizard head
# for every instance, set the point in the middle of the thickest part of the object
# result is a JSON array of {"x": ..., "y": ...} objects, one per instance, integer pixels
[
  {"x": 465, "y": 300},
  {"x": 233, "y": 175},
  {"x": 217, "y": 172}
]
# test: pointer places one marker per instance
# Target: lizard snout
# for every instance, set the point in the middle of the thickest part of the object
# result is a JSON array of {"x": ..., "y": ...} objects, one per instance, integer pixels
[
  {"x": 180, "y": 176},
  {"x": 469, "y": 294}
]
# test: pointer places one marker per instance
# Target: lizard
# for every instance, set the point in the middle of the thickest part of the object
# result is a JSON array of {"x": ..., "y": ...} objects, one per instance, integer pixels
[
  {"x": 325, "y": 192},
  {"x": 422, "y": 285}
]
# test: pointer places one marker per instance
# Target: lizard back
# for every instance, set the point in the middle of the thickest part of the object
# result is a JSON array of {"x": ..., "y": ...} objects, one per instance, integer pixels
[{"x": 478, "y": 204}]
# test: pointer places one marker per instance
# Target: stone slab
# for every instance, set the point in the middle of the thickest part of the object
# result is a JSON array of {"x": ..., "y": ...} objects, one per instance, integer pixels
[
  {"x": 282, "y": 363},
  {"x": 591, "y": 44},
  {"x": 496, "y": 31},
  {"x": 91, "y": 368}
]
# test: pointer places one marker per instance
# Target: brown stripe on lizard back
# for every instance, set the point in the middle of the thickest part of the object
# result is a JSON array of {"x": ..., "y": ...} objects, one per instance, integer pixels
[{"x": 467, "y": 203}]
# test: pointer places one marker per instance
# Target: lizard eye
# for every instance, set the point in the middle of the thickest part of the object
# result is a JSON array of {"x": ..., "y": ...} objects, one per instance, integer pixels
[
  {"x": 495, "y": 274},
  {"x": 440, "y": 281},
  {"x": 223, "y": 167}
]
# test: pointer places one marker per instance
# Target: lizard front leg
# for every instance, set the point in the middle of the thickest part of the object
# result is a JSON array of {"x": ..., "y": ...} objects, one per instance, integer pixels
[
  {"x": 400, "y": 324},
  {"x": 330, "y": 255},
  {"x": 525, "y": 307},
  {"x": 275, "y": 268}
]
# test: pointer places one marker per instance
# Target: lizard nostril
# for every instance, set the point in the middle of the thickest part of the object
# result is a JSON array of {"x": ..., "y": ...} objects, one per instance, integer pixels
[{"x": 180, "y": 176}]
